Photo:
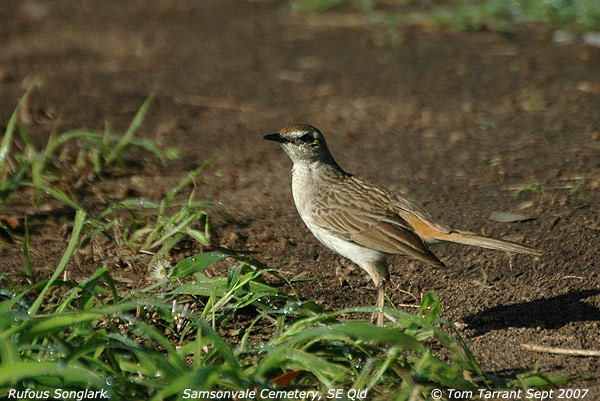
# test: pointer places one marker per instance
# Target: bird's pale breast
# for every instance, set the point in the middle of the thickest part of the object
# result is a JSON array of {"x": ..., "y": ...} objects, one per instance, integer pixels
[{"x": 305, "y": 183}]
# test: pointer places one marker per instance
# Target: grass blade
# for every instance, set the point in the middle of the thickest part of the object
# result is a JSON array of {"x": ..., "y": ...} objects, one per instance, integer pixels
[
  {"x": 295, "y": 359},
  {"x": 128, "y": 136},
  {"x": 193, "y": 264},
  {"x": 10, "y": 129},
  {"x": 189, "y": 178},
  {"x": 56, "y": 322},
  {"x": 204, "y": 378},
  {"x": 27, "y": 251},
  {"x": 56, "y": 193},
  {"x": 71, "y": 247},
  {"x": 22, "y": 370}
]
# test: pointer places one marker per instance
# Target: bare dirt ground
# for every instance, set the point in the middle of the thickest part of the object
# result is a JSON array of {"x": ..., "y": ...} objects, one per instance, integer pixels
[{"x": 450, "y": 120}]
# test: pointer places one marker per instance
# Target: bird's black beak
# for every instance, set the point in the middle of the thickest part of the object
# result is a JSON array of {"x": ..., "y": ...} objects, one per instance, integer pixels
[{"x": 274, "y": 137}]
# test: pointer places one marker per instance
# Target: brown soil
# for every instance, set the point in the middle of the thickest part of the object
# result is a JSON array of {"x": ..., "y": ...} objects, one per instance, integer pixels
[{"x": 450, "y": 120}]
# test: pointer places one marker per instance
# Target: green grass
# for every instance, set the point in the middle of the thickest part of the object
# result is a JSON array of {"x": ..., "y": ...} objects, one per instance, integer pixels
[
  {"x": 580, "y": 15},
  {"x": 45, "y": 168},
  {"x": 10, "y": 176},
  {"x": 571, "y": 187},
  {"x": 503, "y": 15},
  {"x": 151, "y": 227},
  {"x": 48, "y": 171},
  {"x": 154, "y": 227},
  {"x": 84, "y": 335}
]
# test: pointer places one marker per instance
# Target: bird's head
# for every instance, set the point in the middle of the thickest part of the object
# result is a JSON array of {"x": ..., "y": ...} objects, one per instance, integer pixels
[{"x": 303, "y": 143}]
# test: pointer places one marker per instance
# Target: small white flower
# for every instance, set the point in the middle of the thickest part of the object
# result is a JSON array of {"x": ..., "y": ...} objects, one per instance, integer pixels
[{"x": 161, "y": 270}]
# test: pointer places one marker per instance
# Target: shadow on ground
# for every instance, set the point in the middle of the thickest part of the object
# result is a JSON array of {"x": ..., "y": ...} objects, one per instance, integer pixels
[{"x": 550, "y": 313}]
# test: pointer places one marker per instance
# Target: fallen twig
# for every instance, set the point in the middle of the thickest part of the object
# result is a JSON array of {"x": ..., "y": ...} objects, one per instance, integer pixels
[{"x": 562, "y": 351}]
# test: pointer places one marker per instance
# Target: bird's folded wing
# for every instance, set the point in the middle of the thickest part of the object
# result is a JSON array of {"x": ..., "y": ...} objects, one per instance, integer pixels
[
  {"x": 416, "y": 218},
  {"x": 372, "y": 225}
]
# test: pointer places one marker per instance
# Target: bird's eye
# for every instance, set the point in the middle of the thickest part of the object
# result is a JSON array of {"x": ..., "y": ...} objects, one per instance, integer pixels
[{"x": 306, "y": 138}]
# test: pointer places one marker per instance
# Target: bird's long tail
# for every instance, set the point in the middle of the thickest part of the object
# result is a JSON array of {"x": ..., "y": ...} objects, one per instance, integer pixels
[{"x": 468, "y": 238}]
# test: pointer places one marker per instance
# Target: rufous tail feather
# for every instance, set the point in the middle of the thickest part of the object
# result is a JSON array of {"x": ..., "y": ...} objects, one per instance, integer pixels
[{"x": 468, "y": 238}]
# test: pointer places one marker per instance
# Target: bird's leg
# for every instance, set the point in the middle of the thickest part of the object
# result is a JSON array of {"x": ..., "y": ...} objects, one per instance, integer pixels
[
  {"x": 381, "y": 301},
  {"x": 380, "y": 275}
]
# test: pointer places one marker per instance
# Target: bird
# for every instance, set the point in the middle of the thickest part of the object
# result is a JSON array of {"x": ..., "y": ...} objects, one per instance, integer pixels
[{"x": 362, "y": 221}]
